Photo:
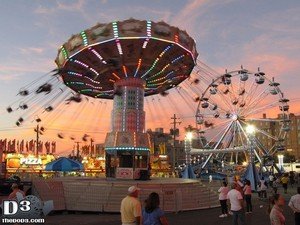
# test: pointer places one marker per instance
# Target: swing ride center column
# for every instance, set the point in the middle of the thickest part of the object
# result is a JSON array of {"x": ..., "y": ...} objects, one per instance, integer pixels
[{"x": 127, "y": 146}]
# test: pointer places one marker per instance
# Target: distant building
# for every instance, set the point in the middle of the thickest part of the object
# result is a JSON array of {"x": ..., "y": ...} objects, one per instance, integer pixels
[
  {"x": 293, "y": 136},
  {"x": 100, "y": 151},
  {"x": 290, "y": 144},
  {"x": 163, "y": 144},
  {"x": 159, "y": 130}
]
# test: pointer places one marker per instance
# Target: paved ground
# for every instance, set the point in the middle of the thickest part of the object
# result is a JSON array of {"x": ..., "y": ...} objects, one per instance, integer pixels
[{"x": 198, "y": 217}]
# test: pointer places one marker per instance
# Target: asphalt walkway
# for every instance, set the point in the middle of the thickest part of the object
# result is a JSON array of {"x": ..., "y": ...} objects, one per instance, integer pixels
[{"x": 197, "y": 217}]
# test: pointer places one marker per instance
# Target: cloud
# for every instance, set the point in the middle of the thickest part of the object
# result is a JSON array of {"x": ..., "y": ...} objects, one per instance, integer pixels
[
  {"x": 164, "y": 14},
  {"x": 17, "y": 70},
  {"x": 275, "y": 64},
  {"x": 8, "y": 77},
  {"x": 31, "y": 50},
  {"x": 189, "y": 13},
  {"x": 282, "y": 21},
  {"x": 44, "y": 10},
  {"x": 195, "y": 17},
  {"x": 74, "y": 6}
]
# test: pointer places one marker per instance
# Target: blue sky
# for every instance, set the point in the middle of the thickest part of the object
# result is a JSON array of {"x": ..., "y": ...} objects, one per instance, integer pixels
[{"x": 228, "y": 33}]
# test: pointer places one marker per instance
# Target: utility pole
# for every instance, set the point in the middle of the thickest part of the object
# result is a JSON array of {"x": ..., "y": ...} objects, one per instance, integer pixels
[
  {"x": 37, "y": 139},
  {"x": 92, "y": 141},
  {"x": 175, "y": 122}
]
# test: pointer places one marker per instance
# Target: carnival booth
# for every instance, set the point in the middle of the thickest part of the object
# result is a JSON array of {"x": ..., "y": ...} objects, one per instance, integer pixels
[
  {"x": 27, "y": 165},
  {"x": 127, "y": 159}
]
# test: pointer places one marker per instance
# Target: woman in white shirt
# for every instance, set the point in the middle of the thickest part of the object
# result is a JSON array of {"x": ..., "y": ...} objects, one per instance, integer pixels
[{"x": 223, "y": 191}]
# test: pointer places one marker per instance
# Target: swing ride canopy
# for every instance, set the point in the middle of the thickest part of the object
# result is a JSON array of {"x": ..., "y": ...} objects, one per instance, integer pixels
[{"x": 93, "y": 60}]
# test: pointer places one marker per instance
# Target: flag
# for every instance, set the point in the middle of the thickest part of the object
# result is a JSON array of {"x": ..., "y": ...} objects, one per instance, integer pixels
[
  {"x": 92, "y": 150},
  {"x": 13, "y": 146},
  {"x": 53, "y": 147},
  {"x": 47, "y": 147},
  {"x": 21, "y": 146},
  {"x": 40, "y": 149},
  {"x": 18, "y": 146},
  {"x": 8, "y": 146},
  {"x": 1, "y": 146},
  {"x": 84, "y": 150},
  {"x": 31, "y": 146},
  {"x": 5, "y": 143},
  {"x": 27, "y": 146}
]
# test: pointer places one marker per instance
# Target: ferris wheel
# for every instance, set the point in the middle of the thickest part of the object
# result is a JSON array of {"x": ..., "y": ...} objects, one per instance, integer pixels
[{"x": 232, "y": 102}]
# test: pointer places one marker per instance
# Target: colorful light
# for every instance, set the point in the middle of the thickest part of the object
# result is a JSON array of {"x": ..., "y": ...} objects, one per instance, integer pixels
[
  {"x": 127, "y": 148},
  {"x": 115, "y": 29},
  {"x": 148, "y": 34},
  {"x": 115, "y": 75},
  {"x": 177, "y": 59},
  {"x": 75, "y": 74},
  {"x": 165, "y": 67},
  {"x": 119, "y": 47},
  {"x": 138, "y": 67},
  {"x": 95, "y": 87},
  {"x": 104, "y": 93},
  {"x": 80, "y": 63},
  {"x": 137, "y": 108},
  {"x": 176, "y": 38},
  {"x": 86, "y": 90},
  {"x": 149, "y": 23},
  {"x": 116, "y": 35},
  {"x": 64, "y": 52},
  {"x": 134, "y": 139},
  {"x": 124, "y": 109},
  {"x": 76, "y": 82},
  {"x": 156, "y": 60},
  {"x": 159, "y": 79},
  {"x": 125, "y": 71},
  {"x": 95, "y": 72},
  {"x": 84, "y": 38},
  {"x": 98, "y": 55}
]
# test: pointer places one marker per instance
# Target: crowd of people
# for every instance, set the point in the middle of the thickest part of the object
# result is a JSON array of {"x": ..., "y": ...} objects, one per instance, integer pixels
[{"x": 240, "y": 198}]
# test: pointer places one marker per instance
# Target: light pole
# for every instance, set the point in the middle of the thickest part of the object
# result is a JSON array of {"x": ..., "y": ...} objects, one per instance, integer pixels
[
  {"x": 250, "y": 130},
  {"x": 187, "y": 147},
  {"x": 188, "y": 172},
  {"x": 251, "y": 172}
]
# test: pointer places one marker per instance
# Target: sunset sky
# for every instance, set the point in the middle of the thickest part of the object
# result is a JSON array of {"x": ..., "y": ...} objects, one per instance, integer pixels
[{"x": 228, "y": 33}]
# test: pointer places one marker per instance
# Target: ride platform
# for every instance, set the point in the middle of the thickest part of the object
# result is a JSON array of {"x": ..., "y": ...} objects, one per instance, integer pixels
[{"x": 105, "y": 195}]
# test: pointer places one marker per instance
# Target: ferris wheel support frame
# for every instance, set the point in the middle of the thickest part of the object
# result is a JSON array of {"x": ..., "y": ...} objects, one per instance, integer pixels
[
  {"x": 233, "y": 98},
  {"x": 219, "y": 142}
]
